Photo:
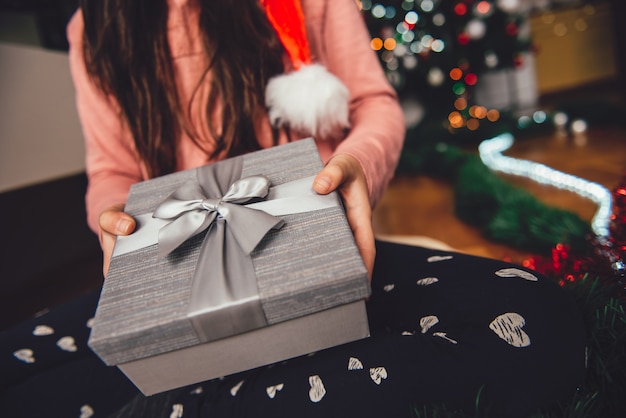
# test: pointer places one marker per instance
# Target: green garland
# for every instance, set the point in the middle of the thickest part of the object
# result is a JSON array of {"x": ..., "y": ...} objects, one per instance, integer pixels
[{"x": 504, "y": 213}]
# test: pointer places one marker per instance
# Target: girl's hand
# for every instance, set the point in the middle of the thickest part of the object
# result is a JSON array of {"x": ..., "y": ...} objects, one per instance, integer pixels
[
  {"x": 113, "y": 222},
  {"x": 344, "y": 174}
]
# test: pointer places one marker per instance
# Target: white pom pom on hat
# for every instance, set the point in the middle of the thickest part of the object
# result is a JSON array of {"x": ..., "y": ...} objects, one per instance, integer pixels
[{"x": 308, "y": 100}]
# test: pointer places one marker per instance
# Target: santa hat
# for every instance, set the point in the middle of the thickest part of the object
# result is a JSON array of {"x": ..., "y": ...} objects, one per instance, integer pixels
[{"x": 308, "y": 99}]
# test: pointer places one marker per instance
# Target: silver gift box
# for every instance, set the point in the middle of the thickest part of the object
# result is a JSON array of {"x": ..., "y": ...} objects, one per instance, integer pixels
[{"x": 158, "y": 318}]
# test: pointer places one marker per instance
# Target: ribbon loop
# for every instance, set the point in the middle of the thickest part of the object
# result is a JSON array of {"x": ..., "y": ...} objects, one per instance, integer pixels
[{"x": 247, "y": 189}]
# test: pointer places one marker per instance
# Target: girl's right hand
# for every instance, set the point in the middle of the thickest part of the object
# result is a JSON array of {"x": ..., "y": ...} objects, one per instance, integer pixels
[{"x": 113, "y": 221}]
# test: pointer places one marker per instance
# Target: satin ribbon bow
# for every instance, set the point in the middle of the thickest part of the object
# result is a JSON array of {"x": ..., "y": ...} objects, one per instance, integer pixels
[{"x": 191, "y": 212}]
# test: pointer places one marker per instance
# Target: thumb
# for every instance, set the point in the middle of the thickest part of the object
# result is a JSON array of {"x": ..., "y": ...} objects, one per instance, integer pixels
[
  {"x": 330, "y": 177},
  {"x": 114, "y": 221}
]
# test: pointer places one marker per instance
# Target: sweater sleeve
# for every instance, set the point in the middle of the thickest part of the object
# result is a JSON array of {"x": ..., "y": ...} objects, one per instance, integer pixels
[
  {"x": 112, "y": 164},
  {"x": 377, "y": 131}
]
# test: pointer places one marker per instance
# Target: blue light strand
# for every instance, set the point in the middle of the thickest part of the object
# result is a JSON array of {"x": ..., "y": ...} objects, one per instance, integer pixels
[{"x": 491, "y": 151}]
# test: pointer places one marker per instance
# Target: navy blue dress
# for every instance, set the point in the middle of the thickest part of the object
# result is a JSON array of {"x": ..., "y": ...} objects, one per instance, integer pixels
[{"x": 471, "y": 333}]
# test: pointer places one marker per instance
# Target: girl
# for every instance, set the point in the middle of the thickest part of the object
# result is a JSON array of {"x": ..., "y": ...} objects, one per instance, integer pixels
[{"x": 171, "y": 85}]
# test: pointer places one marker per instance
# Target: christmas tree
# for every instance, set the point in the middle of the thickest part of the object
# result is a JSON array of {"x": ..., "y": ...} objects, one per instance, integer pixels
[{"x": 436, "y": 51}]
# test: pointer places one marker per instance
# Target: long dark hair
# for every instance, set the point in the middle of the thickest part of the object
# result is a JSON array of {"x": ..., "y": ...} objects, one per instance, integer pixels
[{"x": 127, "y": 54}]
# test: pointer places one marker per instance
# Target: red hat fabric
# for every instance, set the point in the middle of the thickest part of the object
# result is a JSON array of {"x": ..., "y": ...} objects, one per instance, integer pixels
[{"x": 309, "y": 101}]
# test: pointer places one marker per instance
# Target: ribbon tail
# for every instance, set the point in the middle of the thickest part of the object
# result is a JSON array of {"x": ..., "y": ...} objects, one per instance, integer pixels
[
  {"x": 249, "y": 226},
  {"x": 225, "y": 297}
]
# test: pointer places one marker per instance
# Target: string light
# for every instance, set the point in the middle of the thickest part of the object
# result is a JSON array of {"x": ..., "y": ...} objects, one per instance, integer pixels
[{"x": 491, "y": 151}]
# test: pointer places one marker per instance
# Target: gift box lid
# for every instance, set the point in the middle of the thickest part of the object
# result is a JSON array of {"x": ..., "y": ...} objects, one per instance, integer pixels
[{"x": 308, "y": 265}]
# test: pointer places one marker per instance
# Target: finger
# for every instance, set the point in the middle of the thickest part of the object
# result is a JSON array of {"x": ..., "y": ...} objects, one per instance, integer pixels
[
  {"x": 329, "y": 178},
  {"x": 114, "y": 221}
]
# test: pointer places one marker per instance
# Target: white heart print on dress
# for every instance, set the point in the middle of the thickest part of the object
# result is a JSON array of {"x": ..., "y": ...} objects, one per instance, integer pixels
[
  {"x": 438, "y": 258},
  {"x": 42, "y": 331},
  {"x": 444, "y": 336},
  {"x": 25, "y": 355},
  {"x": 378, "y": 374},
  {"x": 509, "y": 326},
  {"x": 427, "y": 281},
  {"x": 428, "y": 322},
  {"x": 67, "y": 344},
  {"x": 273, "y": 390},
  {"x": 513, "y": 272},
  {"x": 86, "y": 411},
  {"x": 317, "y": 391},
  {"x": 235, "y": 389},
  {"x": 197, "y": 391},
  {"x": 355, "y": 364},
  {"x": 177, "y": 411}
]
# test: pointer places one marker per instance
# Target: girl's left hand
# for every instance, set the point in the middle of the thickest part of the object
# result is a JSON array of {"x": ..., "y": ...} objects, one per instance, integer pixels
[{"x": 344, "y": 174}]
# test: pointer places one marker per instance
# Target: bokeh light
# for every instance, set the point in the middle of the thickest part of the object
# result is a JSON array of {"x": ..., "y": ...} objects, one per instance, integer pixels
[
  {"x": 460, "y": 103},
  {"x": 389, "y": 44},
  {"x": 470, "y": 79},
  {"x": 437, "y": 45},
  {"x": 473, "y": 124},
  {"x": 456, "y": 74},
  {"x": 460, "y": 9},
  {"x": 493, "y": 115},
  {"x": 436, "y": 77},
  {"x": 483, "y": 7},
  {"x": 427, "y": 5},
  {"x": 376, "y": 44},
  {"x": 459, "y": 88},
  {"x": 411, "y": 18},
  {"x": 456, "y": 120},
  {"x": 378, "y": 11},
  {"x": 579, "y": 126},
  {"x": 476, "y": 29},
  {"x": 540, "y": 116}
]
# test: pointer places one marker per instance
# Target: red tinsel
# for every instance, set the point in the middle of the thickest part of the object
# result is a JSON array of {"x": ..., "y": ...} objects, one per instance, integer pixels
[
  {"x": 617, "y": 225},
  {"x": 606, "y": 256}
]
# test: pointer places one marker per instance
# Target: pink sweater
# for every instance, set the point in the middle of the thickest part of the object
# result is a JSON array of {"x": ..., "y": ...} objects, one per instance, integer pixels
[{"x": 339, "y": 40}]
